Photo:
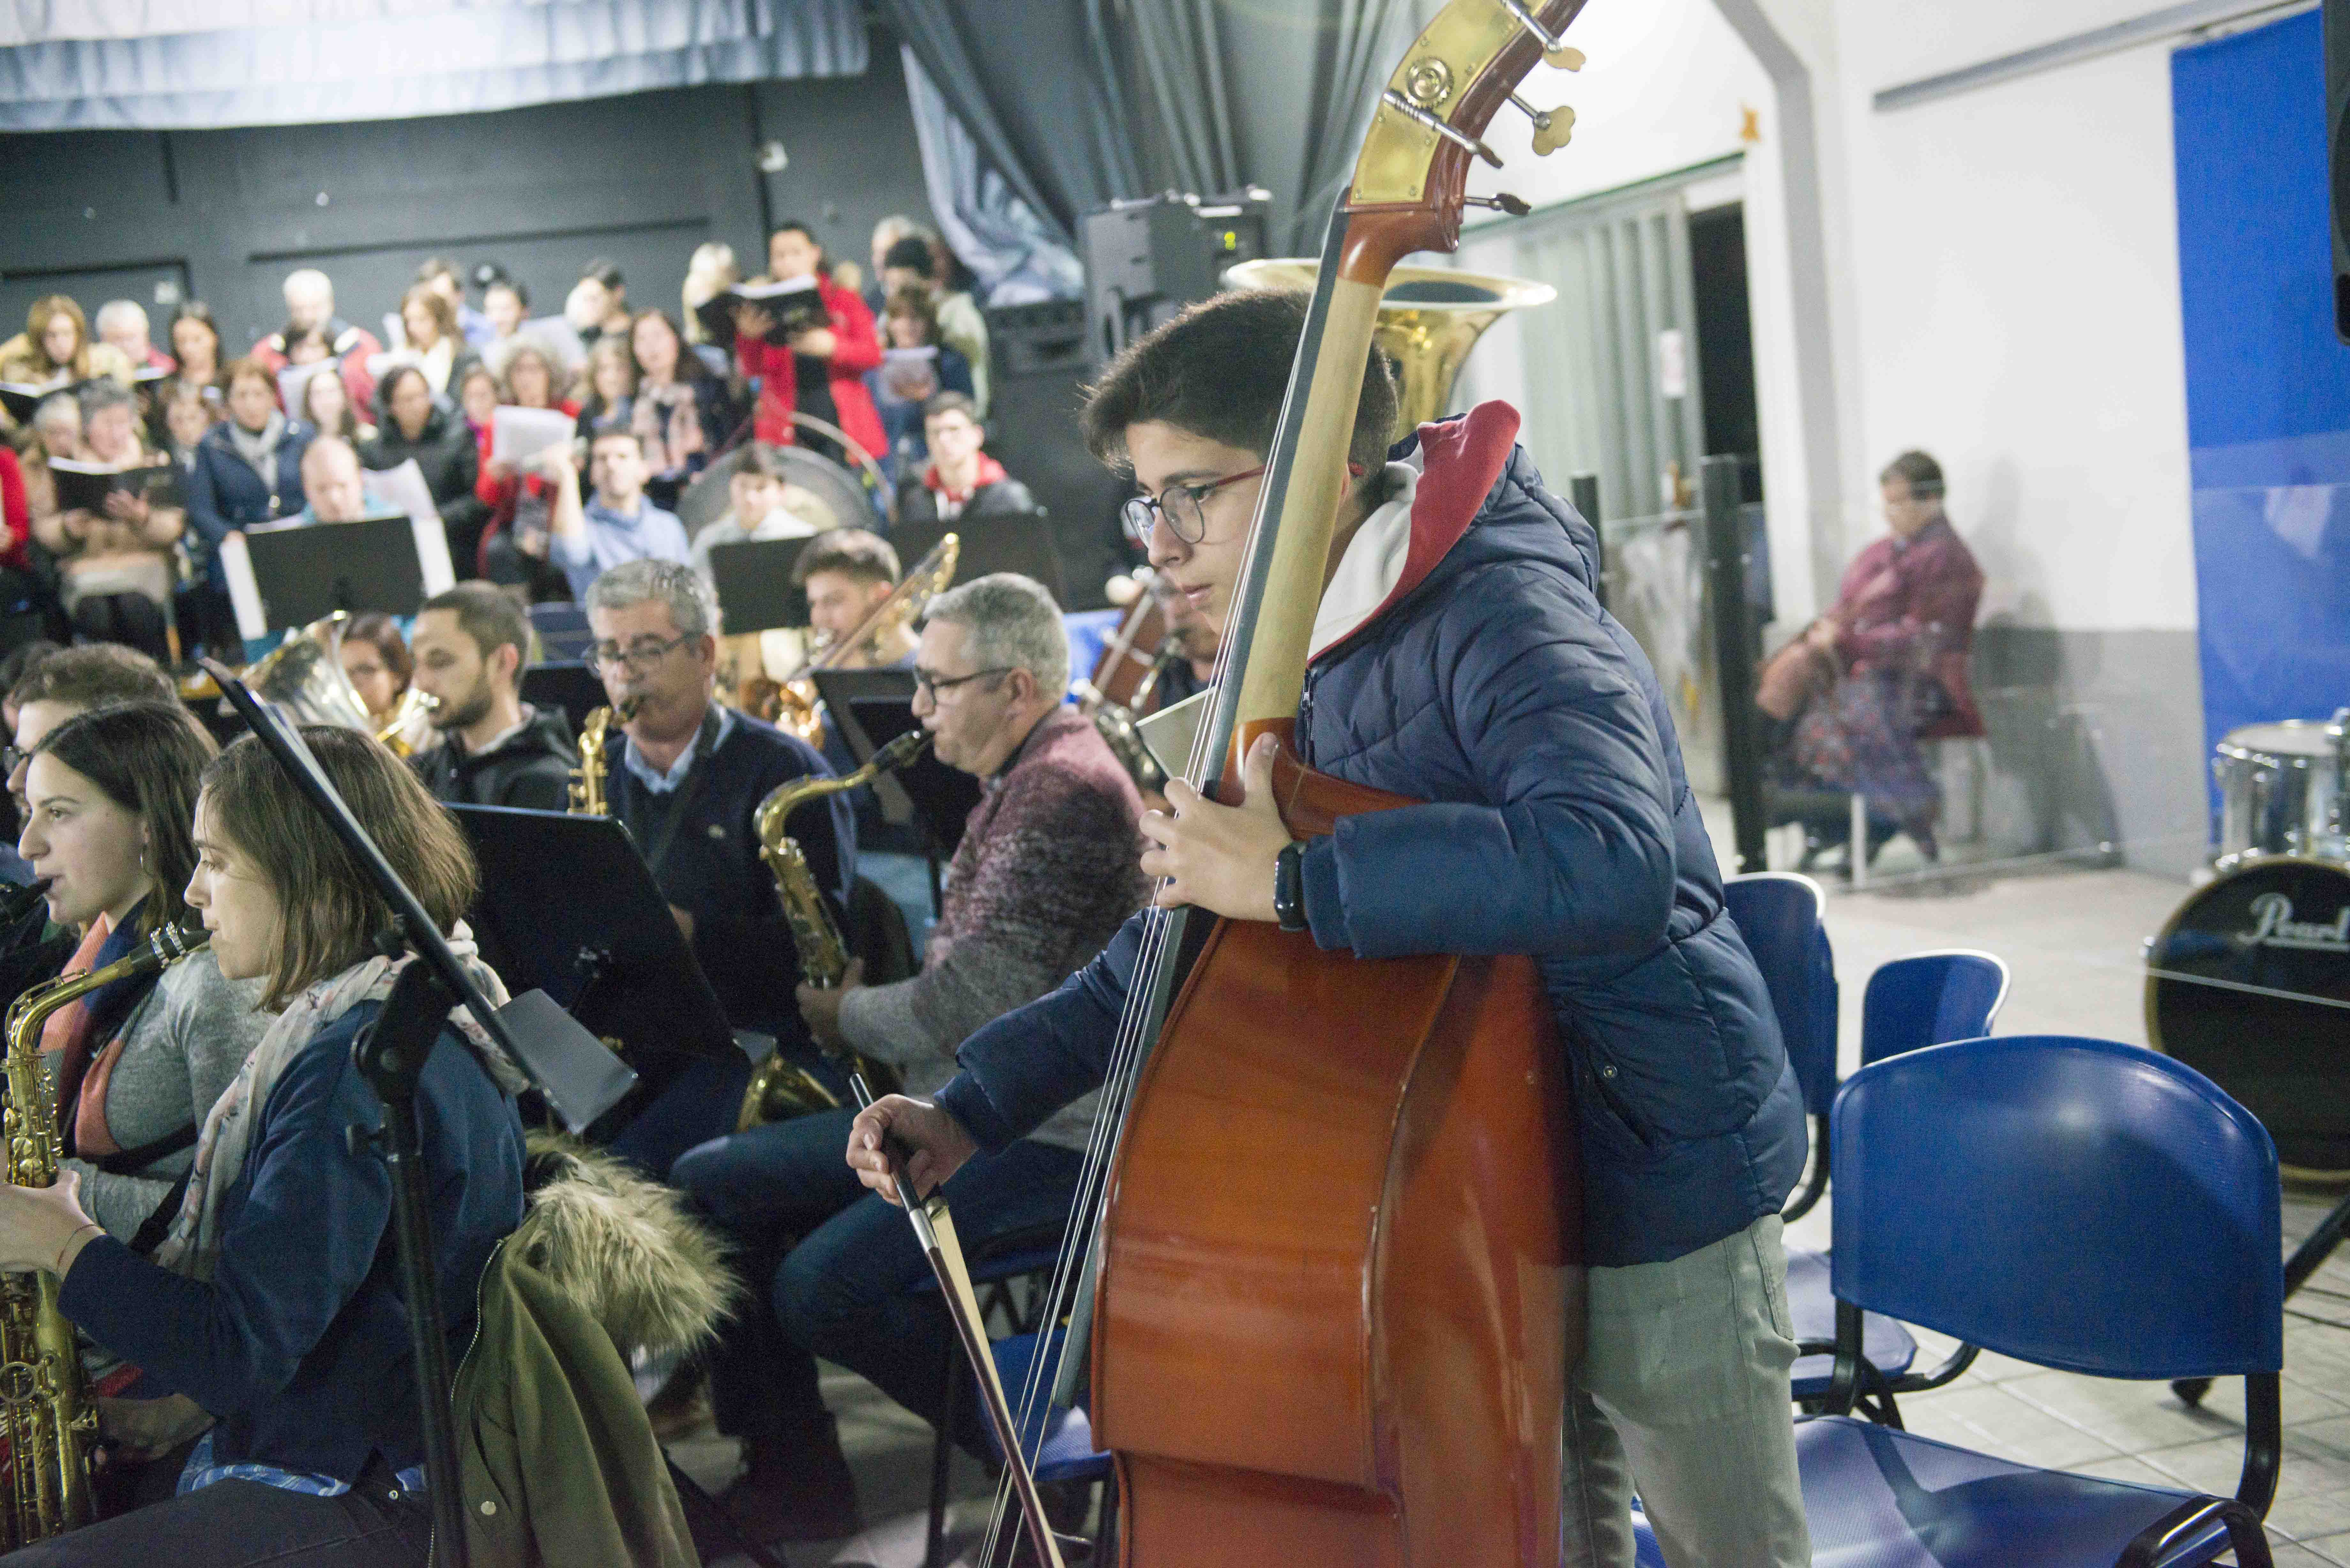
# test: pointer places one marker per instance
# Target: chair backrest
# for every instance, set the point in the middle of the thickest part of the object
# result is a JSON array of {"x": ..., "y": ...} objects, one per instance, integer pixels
[
  {"x": 1779, "y": 914},
  {"x": 1929, "y": 999},
  {"x": 2077, "y": 1203}
]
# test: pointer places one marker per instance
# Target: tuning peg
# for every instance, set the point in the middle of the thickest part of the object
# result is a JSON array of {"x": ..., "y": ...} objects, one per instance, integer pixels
[
  {"x": 1553, "y": 127},
  {"x": 1555, "y": 51},
  {"x": 1459, "y": 138},
  {"x": 1500, "y": 201}
]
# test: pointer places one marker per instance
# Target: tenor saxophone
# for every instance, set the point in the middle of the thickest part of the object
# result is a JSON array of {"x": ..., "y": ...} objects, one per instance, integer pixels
[
  {"x": 587, "y": 778},
  {"x": 780, "y": 1088},
  {"x": 46, "y": 1414}
]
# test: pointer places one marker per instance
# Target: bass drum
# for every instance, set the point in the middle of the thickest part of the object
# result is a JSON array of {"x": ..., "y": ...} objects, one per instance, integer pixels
[{"x": 2249, "y": 985}]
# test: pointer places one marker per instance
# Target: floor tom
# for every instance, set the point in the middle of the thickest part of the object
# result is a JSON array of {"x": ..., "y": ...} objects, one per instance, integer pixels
[{"x": 2281, "y": 791}]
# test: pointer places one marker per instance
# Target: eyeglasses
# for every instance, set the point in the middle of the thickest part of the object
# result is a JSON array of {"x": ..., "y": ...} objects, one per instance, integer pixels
[
  {"x": 639, "y": 656},
  {"x": 1183, "y": 505},
  {"x": 929, "y": 685}
]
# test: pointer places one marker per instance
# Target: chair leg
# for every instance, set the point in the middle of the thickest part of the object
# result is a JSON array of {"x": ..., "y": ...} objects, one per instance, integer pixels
[
  {"x": 943, "y": 1461},
  {"x": 690, "y": 1492}
]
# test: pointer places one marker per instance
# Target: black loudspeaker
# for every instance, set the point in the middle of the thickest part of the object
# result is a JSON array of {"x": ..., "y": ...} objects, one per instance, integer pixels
[
  {"x": 2336, "y": 25},
  {"x": 1145, "y": 260},
  {"x": 1035, "y": 395}
]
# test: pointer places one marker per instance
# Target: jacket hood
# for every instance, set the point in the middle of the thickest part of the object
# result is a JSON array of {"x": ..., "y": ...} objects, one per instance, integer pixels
[{"x": 1468, "y": 495}]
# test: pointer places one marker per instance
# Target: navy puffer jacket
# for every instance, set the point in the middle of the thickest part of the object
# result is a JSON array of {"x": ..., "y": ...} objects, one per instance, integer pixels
[{"x": 1492, "y": 685}]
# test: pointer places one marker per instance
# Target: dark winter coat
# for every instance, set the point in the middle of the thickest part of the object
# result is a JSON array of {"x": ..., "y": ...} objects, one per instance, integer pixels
[
  {"x": 224, "y": 493},
  {"x": 531, "y": 768},
  {"x": 451, "y": 465},
  {"x": 1491, "y": 684}
]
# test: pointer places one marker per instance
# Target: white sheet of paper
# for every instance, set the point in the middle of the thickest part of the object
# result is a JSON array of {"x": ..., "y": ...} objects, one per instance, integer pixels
[
  {"x": 1171, "y": 731},
  {"x": 517, "y": 435},
  {"x": 244, "y": 592},
  {"x": 404, "y": 489}
]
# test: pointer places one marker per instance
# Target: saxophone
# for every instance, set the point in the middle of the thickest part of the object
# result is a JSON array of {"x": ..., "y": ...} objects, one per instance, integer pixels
[
  {"x": 45, "y": 1412},
  {"x": 780, "y": 1088},
  {"x": 587, "y": 778}
]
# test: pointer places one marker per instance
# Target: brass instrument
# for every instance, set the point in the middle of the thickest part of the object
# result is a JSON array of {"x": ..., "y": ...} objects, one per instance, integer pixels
[
  {"x": 587, "y": 778},
  {"x": 796, "y": 703},
  {"x": 780, "y": 1088},
  {"x": 1115, "y": 722},
  {"x": 304, "y": 676},
  {"x": 1429, "y": 317},
  {"x": 44, "y": 1406}
]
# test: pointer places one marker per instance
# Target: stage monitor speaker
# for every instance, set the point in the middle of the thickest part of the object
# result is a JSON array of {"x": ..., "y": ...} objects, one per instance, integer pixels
[
  {"x": 2336, "y": 25},
  {"x": 1034, "y": 396},
  {"x": 1145, "y": 260}
]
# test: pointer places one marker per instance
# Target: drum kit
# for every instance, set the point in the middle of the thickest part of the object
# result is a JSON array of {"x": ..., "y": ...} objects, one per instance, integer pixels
[{"x": 2249, "y": 984}]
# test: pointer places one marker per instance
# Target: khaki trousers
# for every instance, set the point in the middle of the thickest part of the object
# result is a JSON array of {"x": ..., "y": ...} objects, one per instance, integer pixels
[{"x": 1682, "y": 1392}]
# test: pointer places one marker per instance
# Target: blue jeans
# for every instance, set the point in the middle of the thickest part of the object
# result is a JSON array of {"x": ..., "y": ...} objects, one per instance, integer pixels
[
  {"x": 833, "y": 1267},
  {"x": 700, "y": 1103}
]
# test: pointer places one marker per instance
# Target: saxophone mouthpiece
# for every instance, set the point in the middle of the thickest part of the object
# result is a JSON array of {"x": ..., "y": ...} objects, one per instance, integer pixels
[
  {"x": 902, "y": 750},
  {"x": 627, "y": 710}
]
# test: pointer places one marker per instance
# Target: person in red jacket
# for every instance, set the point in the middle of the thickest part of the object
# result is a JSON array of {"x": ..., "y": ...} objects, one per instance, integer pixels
[
  {"x": 821, "y": 373},
  {"x": 1899, "y": 634},
  {"x": 16, "y": 509}
]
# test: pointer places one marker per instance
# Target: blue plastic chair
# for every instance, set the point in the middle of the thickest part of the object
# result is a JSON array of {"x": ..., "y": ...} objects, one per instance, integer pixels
[
  {"x": 1779, "y": 914},
  {"x": 2077, "y": 1204},
  {"x": 1059, "y": 1441},
  {"x": 1926, "y": 999},
  {"x": 562, "y": 630}
]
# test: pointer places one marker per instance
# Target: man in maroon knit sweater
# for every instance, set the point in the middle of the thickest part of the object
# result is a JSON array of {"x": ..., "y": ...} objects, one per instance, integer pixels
[{"x": 1047, "y": 870}]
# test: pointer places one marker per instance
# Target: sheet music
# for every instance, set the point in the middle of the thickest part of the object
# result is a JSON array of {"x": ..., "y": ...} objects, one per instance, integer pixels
[
  {"x": 403, "y": 490},
  {"x": 517, "y": 435},
  {"x": 244, "y": 592}
]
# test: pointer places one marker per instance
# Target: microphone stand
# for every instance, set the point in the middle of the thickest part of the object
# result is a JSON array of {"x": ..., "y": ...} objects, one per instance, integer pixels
[{"x": 390, "y": 1053}]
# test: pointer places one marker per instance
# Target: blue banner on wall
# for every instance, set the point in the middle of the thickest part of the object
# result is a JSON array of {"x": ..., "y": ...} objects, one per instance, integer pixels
[{"x": 2268, "y": 384}]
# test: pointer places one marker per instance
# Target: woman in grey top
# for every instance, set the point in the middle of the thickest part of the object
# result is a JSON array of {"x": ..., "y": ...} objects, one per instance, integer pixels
[{"x": 136, "y": 1063}]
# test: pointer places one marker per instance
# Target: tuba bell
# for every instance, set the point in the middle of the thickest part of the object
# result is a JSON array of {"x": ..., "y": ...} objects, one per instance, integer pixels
[{"x": 304, "y": 676}]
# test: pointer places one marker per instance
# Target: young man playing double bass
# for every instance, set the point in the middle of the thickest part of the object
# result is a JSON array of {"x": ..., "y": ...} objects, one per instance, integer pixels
[{"x": 1460, "y": 658}]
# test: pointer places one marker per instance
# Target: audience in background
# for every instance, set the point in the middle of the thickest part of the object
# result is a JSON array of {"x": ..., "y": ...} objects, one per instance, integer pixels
[
  {"x": 335, "y": 485},
  {"x": 531, "y": 382},
  {"x": 376, "y": 663},
  {"x": 247, "y": 470},
  {"x": 503, "y": 486},
  {"x": 682, "y": 412},
  {"x": 505, "y": 306},
  {"x": 16, "y": 514},
  {"x": 429, "y": 322},
  {"x": 314, "y": 331},
  {"x": 196, "y": 346},
  {"x": 477, "y": 400},
  {"x": 122, "y": 323},
  {"x": 56, "y": 347},
  {"x": 187, "y": 414},
  {"x": 327, "y": 406},
  {"x": 472, "y": 645},
  {"x": 887, "y": 233},
  {"x": 598, "y": 302},
  {"x": 821, "y": 373},
  {"x": 115, "y": 565},
  {"x": 56, "y": 433},
  {"x": 439, "y": 274},
  {"x": 919, "y": 264},
  {"x": 710, "y": 273},
  {"x": 959, "y": 479},
  {"x": 417, "y": 426},
  {"x": 903, "y": 384},
  {"x": 610, "y": 385},
  {"x": 754, "y": 492},
  {"x": 620, "y": 523}
]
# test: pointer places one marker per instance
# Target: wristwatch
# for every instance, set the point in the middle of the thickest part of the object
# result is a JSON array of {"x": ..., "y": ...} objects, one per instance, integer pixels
[{"x": 1289, "y": 886}]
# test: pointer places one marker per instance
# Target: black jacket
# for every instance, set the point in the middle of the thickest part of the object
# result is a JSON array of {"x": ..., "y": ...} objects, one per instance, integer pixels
[
  {"x": 451, "y": 463},
  {"x": 531, "y": 768},
  {"x": 917, "y": 502}
]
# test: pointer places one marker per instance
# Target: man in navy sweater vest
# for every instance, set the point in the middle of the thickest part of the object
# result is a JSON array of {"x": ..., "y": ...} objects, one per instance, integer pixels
[
  {"x": 688, "y": 782},
  {"x": 1460, "y": 658}
]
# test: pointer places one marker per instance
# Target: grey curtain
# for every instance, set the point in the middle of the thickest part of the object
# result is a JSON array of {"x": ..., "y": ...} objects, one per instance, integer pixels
[
  {"x": 1019, "y": 257},
  {"x": 174, "y": 65}
]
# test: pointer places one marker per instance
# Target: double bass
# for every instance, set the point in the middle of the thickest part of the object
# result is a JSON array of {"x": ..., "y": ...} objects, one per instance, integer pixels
[{"x": 1325, "y": 1248}]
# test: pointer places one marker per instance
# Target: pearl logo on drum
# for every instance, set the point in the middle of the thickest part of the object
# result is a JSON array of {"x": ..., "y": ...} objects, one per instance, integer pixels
[{"x": 2274, "y": 926}]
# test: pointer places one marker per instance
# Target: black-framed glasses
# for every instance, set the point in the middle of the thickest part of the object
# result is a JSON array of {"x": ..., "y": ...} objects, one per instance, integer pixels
[
  {"x": 639, "y": 656},
  {"x": 929, "y": 685},
  {"x": 1183, "y": 505}
]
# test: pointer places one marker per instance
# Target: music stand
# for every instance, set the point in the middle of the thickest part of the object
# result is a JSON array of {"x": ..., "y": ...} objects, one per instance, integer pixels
[
  {"x": 754, "y": 579},
  {"x": 305, "y": 571},
  {"x": 569, "y": 906},
  {"x": 567, "y": 684},
  {"x": 1018, "y": 542},
  {"x": 873, "y": 708}
]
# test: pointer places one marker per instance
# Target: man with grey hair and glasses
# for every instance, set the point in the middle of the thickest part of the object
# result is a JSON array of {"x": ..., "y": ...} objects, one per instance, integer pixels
[
  {"x": 1047, "y": 870},
  {"x": 686, "y": 777}
]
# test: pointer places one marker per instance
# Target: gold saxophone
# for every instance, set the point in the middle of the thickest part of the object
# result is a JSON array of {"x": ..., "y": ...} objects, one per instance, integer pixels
[
  {"x": 780, "y": 1088},
  {"x": 587, "y": 778},
  {"x": 45, "y": 1412}
]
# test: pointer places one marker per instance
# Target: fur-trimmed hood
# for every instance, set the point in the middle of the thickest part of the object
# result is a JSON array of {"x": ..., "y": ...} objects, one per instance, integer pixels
[{"x": 622, "y": 1247}]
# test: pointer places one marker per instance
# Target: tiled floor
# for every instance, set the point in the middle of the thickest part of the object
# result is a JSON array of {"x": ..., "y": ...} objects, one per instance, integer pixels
[{"x": 2071, "y": 941}]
